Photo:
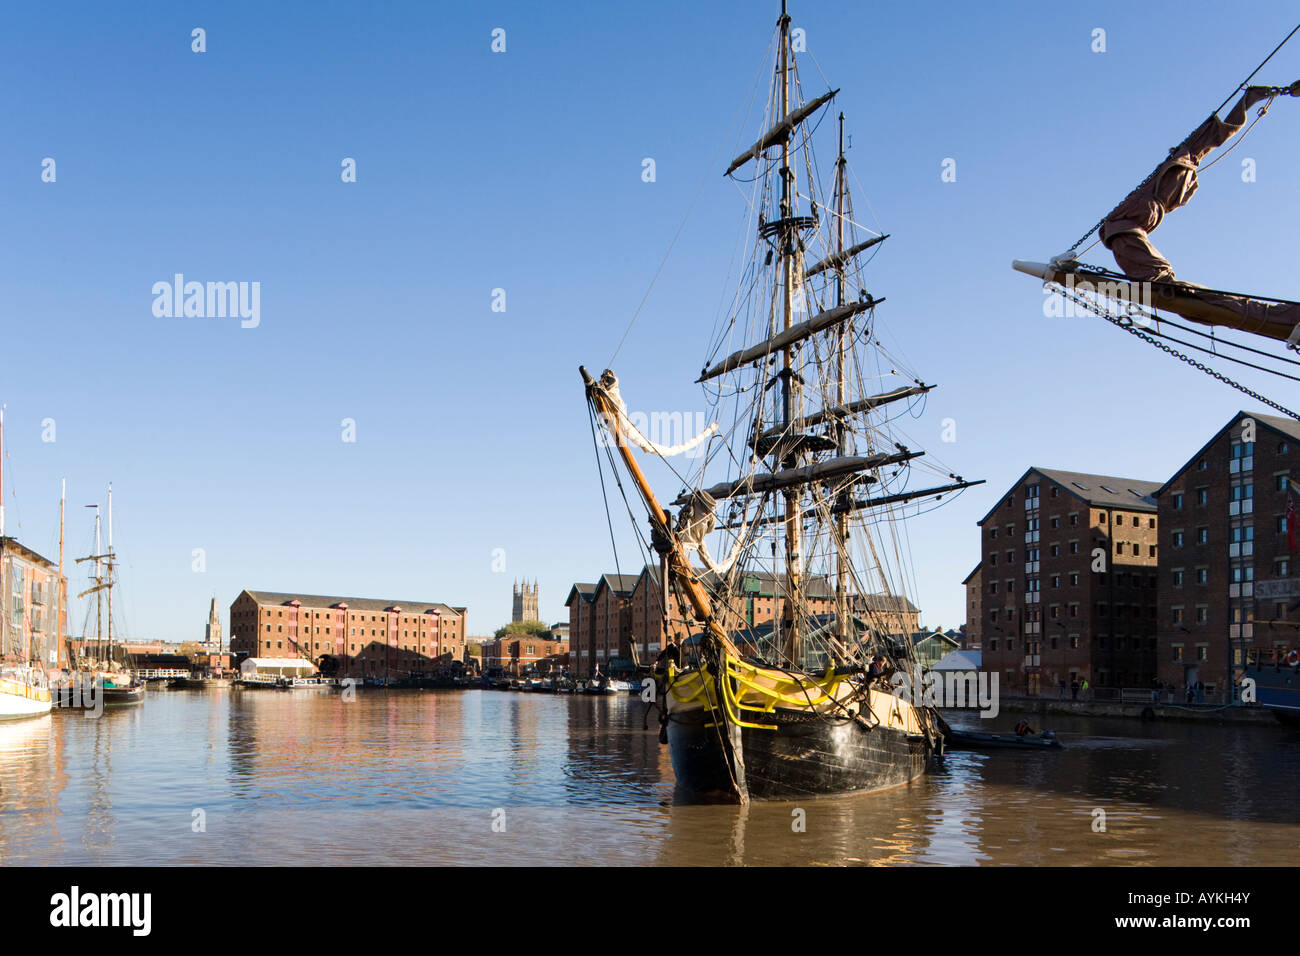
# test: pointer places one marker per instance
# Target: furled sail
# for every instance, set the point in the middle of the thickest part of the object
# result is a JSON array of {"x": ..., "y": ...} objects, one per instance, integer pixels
[
  {"x": 623, "y": 427},
  {"x": 803, "y": 475},
  {"x": 851, "y": 408},
  {"x": 780, "y": 131},
  {"x": 837, "y": 259},
  {"x": 791, "y": 336}
]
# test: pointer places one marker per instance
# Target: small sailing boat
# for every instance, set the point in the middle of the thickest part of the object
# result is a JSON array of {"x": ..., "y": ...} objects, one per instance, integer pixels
[
  {"x": 105, "y": 662},
  {"x": 815, "y": 487},
  {"x": 24, "y": 685}
]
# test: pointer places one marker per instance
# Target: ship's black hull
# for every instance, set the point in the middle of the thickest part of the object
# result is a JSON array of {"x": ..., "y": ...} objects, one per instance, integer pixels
[
  {"x": 806, "y": 756},
  {"x": 67, "y": 696}
]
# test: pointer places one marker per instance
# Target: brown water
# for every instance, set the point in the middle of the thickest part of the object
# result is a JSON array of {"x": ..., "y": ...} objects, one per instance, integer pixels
[{"x": 394, "y": 777}]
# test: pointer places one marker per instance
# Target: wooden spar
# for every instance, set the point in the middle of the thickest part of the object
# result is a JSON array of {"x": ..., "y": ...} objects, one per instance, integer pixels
[
  {"x": 900, "y": 497},
  {"x": 839, "y": 258},
  {"x": 781, "y": 131},
  {"x": 682, "y": 570},
  {"x": 794, "y": 478},
  {"x": 851, "y": 408},
  {"x": 790, "y": 335},
  {"x": 1178, "y": 297}
]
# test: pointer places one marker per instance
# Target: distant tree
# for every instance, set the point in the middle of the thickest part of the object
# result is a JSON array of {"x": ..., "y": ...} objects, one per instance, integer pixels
[{"x": 523, "y": 627}]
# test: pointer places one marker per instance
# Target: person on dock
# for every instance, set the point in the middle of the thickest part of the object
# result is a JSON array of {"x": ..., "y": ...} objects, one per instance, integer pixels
[
  {"x": 1060, "y": 689},
  {"x": 1084, "y": 687},
  {"x": 1074, "y": 689}
]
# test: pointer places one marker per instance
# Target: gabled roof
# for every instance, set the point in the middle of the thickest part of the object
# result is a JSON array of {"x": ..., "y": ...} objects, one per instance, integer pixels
[
  {"x": 886, "y": 603},
  {"x": 1287, "y": 427},
  {"x": 974, "y": 571},
  {"x": 585, "y": 591},
  {"x": 353, "y": 603},
  {"x": 935, "y": 636},
  {"x": 620, "y": 584},
  {"x": 1102, "y": 491}
]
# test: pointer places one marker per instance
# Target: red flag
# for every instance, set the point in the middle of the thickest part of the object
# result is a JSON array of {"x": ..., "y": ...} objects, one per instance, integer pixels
[{"x": 1290, "y": 523}]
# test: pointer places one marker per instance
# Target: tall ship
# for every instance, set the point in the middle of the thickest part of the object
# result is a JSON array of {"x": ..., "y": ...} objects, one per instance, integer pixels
[
  {"x": 102, "y": 659},
  {"x": 24, "y": 594},
  {"x": 801, "y": 479}
]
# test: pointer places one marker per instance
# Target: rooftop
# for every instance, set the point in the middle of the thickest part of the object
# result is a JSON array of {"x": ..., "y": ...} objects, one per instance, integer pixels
[{"x": 353, "y": 603}]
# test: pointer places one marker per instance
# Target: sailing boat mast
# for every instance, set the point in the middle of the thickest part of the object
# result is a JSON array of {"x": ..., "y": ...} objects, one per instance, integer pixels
[
  {"x": 841, "y": 430},
  {"x": 788, "y": 237},
  {"x": 99, "y": 584},
  {"x": 109, "y": 563}
]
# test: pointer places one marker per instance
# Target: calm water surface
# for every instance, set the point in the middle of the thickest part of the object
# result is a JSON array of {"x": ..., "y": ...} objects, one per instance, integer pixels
[{"x": 409, "y": 777}]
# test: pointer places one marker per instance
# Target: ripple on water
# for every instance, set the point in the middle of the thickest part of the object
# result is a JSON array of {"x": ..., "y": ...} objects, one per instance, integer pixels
[{"x": 491, "y": 777}]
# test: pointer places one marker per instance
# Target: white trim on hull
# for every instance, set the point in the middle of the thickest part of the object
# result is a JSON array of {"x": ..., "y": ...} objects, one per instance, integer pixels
[{"x": 16, "y": 707}]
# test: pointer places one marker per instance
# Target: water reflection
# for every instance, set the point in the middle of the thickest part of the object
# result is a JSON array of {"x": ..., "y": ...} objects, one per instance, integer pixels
[{"x": 421, "y": 777}]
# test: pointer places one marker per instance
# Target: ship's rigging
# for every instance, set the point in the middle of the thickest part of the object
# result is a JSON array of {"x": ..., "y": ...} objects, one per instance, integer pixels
[
  {"x": 1133, "y": 299},
  {"x": 805, "y": 469}
]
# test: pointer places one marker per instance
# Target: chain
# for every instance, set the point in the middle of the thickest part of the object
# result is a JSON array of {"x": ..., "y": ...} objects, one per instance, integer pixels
[{"x": 1126, "y": 323}]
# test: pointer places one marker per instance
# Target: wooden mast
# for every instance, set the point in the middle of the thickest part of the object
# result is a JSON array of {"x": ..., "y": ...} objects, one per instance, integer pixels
[
  {"x": 676, "y": 558},
  {"x": 841, "y": 428},
  {"x": 99, "y": 600},
  {"x": 109, "y": 563},
  {"x": 788, "y": 238}
]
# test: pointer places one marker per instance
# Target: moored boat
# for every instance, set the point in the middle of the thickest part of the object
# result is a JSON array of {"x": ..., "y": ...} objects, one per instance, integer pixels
[
  {"x": 813, "y": 492},
  {"x": 103, "y": 661},
  {"x": 24, "y": 692},
  {"x": 974, "y": 740}
]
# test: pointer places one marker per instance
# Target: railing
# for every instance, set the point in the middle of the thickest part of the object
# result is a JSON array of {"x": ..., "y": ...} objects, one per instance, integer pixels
[
  {"x": 1152, "y": 695},
  {"x": 161, "y": 673}
]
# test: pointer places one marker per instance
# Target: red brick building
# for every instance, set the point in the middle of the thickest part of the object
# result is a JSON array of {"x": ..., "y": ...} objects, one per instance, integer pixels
[
  {"x": 619, "y": 613},
  {"x": 1228, "y": 579},
  {"x": 1068, "y": 574},
  {"x": 517, "y": 654},
  {"x": 356, "y": 637},
  {"x": 974, "y": 583},
  {"x": 33, "y": 606}
]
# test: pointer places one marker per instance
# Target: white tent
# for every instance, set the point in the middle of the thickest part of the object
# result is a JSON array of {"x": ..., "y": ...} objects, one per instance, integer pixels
[
  {"x": 959, "y": 661},
  {"x": 276, "y": 667}
]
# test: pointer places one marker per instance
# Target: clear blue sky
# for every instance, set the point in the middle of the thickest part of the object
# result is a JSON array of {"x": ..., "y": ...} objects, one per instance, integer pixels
[{"x": 522, "y": 171}]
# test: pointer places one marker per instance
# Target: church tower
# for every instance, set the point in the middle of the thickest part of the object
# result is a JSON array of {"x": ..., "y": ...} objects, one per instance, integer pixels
[
  {"x": 212, "y": 637},
  {"x": 525, "y": 606}
]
